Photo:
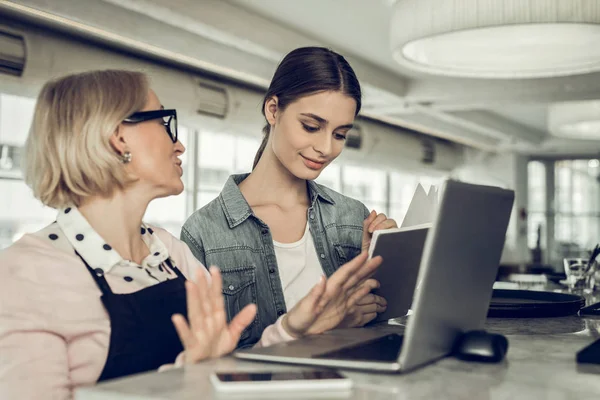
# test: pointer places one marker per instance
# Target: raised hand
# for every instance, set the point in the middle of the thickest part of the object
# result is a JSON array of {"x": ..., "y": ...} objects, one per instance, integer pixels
[
  {"x": 330, "y": 301},
  {"x": 375, "y": 222},
  {"x": 366, "y": 309},
  {"x": 207, "y": 334}
]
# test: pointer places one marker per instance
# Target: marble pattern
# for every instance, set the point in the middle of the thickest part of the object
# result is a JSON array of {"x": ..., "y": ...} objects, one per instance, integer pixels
[{"x": 540, "y": 364}]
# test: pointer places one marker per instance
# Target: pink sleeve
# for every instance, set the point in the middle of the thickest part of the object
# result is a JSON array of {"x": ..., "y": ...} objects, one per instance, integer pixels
[
  {"x": 274, "y": 334},
  {"x": 34, "y": 359}
]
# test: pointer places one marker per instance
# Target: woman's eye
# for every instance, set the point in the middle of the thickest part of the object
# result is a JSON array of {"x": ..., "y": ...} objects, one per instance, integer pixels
[
  {"x": 309, "y": 128},
  {"x": 339, "y": 136}
]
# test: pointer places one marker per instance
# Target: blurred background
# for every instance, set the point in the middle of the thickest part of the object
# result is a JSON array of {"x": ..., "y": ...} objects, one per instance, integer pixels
[{"x": 505, "y": 93}]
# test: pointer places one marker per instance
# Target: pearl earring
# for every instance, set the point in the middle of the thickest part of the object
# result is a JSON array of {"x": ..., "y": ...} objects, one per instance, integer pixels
[{"x": 126, "y": 158}]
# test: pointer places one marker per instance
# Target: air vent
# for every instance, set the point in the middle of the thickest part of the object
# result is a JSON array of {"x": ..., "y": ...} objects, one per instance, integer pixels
[
  {"x": 354, "y": 138},
  {"x": 213, "y": 100},
  {"x": 12, "y": 54}
]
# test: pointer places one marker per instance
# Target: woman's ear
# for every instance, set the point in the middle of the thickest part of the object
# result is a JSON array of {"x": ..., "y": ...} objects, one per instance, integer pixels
[
  {"x": 271, "y": 107},
  {"x": 117, "y": 141}
]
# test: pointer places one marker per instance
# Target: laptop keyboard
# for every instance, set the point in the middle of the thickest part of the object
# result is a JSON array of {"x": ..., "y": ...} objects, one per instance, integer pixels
[{"x": 383, "y": 349}]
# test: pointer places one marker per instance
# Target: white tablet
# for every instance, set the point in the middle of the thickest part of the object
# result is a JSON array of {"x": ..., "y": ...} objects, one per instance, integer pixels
[
  {"x": 307, "y": 380},
  {"x": 401, "y": 249}
]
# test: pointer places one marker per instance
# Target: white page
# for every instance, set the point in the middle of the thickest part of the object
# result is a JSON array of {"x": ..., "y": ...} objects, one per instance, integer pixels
[
  {"x": 432, "y": 196},
  {"x": 420, "y": 210}
]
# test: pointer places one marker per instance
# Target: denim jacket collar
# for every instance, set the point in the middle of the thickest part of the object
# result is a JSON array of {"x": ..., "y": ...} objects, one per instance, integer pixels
[{"x": 237, "y": 209}]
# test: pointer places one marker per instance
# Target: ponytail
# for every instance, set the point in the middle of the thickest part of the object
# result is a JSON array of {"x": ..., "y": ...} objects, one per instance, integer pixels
[{"x": 263, "y": 144}]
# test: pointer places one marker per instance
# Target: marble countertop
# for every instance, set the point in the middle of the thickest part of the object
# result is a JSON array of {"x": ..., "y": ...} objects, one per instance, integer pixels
[{"x": 540, "y": 364}]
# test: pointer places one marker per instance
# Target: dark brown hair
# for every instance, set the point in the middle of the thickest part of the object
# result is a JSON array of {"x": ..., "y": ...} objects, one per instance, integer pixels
[{"x": 306, "y": 71}]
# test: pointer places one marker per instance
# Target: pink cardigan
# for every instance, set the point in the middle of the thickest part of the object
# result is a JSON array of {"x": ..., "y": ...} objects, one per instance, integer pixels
[{"x": 54, "y": 331}]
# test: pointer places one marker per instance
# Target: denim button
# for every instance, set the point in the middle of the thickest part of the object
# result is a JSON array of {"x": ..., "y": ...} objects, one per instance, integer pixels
[
  {"x": 265, "y": 231},
  {"x": 280, "y": 312},
  {"x": 322, "y": 255},
  {"x": 312, "y": 216},
  {"x": 272, "y": 270},
  {"x": 231, "y": 287}
]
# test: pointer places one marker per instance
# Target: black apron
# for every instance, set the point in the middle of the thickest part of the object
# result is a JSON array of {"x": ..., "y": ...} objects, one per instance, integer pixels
[{"x": 142, "y": 336}]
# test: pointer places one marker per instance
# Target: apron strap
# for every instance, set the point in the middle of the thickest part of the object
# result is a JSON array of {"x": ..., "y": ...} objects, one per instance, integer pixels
[
  {"x": 101, "y": 280},
  {"x": 174, "y": 269},
  {"x": 98, "y": 278}
]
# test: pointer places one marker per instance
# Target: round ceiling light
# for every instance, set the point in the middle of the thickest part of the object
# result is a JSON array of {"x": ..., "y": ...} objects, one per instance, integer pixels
[
  {"x": 576, "y": 120},
  {"x": 497, "y": 38}
]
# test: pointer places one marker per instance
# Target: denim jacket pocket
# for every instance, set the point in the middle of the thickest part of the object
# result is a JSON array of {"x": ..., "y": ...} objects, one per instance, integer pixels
[
  {"x": 341, "y": 255},
  {"x": 347, "y": 244},
  {"x": 239, "y": 290}
]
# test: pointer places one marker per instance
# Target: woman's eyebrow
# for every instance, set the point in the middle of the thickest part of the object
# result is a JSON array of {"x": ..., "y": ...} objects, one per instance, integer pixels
[{"x": 324, "y": 121}]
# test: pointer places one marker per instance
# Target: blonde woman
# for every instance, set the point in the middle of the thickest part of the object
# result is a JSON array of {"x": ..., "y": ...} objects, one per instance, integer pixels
[{"x": 99, "y": 294}]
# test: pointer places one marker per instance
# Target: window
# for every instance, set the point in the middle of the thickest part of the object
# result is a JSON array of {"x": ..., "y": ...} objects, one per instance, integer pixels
[
  {"x": 216, "y": 161},
  {"x": 20, "y": 212},
  {"x": 245, "y": 150},
  {"x": 577, "y": 197},
  {"x": 367, "y": 185},
  {"x": 402, "y": 188},
  {"x": 170, "y": 212},
  {"x": 331, "y": 177},
  {"x": 536, "y": 218}
]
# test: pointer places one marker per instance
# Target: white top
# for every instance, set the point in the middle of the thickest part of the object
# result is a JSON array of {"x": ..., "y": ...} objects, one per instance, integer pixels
[{"x": 299, "y": 267}]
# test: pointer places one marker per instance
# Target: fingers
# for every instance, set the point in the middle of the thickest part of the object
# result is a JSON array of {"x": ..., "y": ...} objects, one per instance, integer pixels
[
  {"x": 379, "y": 218},
  {"x": 359, "y": 293},
  {"x": 387, "y": 224},
  {"x": 300, "y": 318},
  {"x": 362, "y": 272},
  {"x": 316, "y": 297},
  {"x": 186, "y": 336},
  {"x": 241, "y": 321},
  {"x": 381, "y": 302},
  {"x": 366, "y": 318},
  {"x": 369, "y": 308},
  {"x": 347, "y": 270},
  {"x": 195, "y": 310},
  {"x": 205, "y": 304},
  {"x": 368, "y": 221},
  {"x": 366, "y": 236},
  {"x": 381, "y": 221},
  {"x": 218, "y": 303}
]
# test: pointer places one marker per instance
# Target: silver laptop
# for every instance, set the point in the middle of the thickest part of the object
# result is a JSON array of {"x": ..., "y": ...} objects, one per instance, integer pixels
[{"x": 454, "y": 288}]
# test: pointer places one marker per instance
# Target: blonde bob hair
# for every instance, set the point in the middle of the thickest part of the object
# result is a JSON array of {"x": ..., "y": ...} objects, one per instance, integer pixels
[{"x": 68, "y": 155}]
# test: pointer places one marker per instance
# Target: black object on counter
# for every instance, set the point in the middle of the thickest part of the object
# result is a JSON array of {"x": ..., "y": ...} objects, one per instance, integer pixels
[
  {"x": 593, "y": 309},
  {"x": 480, "y": 346},
  {"x": 533, "y": 304},
  {"x": 590, "y": 354}
]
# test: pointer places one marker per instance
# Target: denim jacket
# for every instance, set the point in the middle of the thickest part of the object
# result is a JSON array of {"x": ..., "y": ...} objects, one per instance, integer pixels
[{"x": 227, "y": 234}]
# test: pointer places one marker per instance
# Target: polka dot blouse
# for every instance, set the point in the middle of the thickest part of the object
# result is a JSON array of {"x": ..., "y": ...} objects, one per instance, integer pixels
[{"x": 72, "y": 230}]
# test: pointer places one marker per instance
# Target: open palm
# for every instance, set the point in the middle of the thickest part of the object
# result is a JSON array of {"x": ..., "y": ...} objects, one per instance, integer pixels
[
  {"x": 207, "y": 334},
  {"x": 331, "y": 300}
]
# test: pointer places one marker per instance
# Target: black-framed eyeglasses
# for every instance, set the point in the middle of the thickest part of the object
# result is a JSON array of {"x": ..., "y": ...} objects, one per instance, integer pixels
[{"x": 169, "y": 118}]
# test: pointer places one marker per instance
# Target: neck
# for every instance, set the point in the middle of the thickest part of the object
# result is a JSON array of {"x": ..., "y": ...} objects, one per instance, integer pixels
[
  {"x": 118, "y": 219},
  {"x": 271, "y": 183}
]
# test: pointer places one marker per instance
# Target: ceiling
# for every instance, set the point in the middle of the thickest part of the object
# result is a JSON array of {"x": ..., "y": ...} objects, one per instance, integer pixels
[
  {"x": 363, "y": 29},
  {"x": 245, "y": 39}
]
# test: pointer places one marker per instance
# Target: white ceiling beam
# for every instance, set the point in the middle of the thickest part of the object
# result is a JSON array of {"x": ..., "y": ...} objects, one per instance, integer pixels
[
  {"x": 440, "y": 128},
  {"x": 212, "y": 35},
  {"x": 459, "y": 93},
  {"x": 502, "y": 125}
]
